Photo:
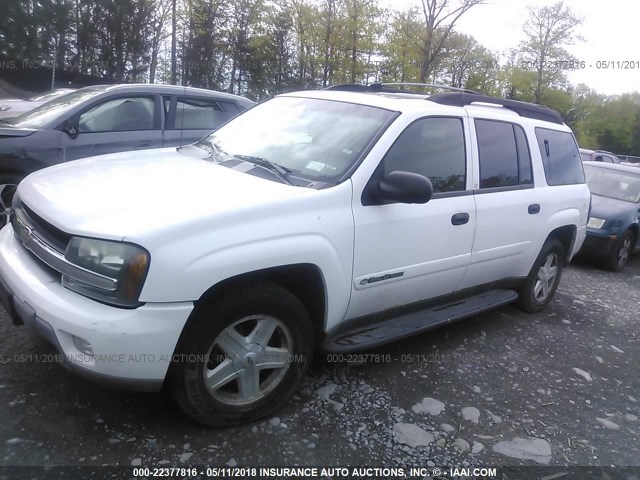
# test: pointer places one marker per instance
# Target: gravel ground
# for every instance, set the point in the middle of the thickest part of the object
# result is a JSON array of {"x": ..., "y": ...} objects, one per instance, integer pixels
[{"x": 505, "y": 388}]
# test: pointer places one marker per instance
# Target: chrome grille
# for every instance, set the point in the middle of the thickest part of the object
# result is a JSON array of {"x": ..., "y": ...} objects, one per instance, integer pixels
[
  {"x": 49, "y": 244},
  {"x": 50, "y": 235}
]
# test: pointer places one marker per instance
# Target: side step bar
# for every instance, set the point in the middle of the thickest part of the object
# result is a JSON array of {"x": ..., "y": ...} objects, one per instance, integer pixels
[{"x": 392, "y": 329}]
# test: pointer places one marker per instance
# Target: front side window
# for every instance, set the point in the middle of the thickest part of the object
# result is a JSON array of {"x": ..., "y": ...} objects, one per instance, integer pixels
[
  {"x": 314, "y": 139},
  {"x": 560, "y": 157},
  {"x": 119, "y": 115},
  {"x": 432, "y": 147}
]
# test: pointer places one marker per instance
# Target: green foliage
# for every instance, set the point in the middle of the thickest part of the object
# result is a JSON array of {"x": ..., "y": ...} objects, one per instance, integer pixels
[{"x": 548, "y": 30}]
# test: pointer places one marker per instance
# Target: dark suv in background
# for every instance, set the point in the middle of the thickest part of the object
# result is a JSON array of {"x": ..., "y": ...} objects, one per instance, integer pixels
[{"x": 106, "y": 119}]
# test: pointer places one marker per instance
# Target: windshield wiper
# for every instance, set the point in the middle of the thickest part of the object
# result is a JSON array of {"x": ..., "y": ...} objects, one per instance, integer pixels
[
  {"x": 203, "y": 145},
  {"x": 280, "y": 171}
]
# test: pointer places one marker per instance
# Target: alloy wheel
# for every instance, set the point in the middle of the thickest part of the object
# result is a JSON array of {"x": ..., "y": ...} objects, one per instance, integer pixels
[
  {"x": 625, "y": 249},
  {"x": 547, "y": 276},
  {"x": 248, "y": 359}
]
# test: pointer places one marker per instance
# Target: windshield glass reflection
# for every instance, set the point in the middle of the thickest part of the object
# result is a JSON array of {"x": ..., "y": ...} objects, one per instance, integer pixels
[{"x": 51, "y": 110}]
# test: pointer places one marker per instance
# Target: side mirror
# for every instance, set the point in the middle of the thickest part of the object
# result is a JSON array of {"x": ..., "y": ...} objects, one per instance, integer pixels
[
  {"x": 70, "y": 129},
  {"x": 404, "y": 187}
]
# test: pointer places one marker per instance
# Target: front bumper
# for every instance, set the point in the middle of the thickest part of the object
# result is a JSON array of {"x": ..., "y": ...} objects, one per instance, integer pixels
[
  {"x": 598, "y": 244},
  {"x": 130, "y": 348}
]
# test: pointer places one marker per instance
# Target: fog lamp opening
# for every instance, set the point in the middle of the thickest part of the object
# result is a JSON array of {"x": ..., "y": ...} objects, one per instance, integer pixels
[{"x": 83, "y": 345}]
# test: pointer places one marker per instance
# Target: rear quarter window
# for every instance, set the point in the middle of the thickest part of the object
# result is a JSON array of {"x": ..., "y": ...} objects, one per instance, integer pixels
[{"x": 560, "y": 157}]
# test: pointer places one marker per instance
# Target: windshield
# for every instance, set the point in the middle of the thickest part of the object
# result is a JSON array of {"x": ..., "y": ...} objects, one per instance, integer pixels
[
  {"x": 45, "y": 113},
  {"x": 317, "y": 140},
  {"x": 610, "y": 183}
]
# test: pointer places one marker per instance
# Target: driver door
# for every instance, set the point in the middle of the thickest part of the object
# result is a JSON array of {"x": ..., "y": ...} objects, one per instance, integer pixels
[
  {"x": 405, "y": 253},
  {"x": 115, "y": 125}
]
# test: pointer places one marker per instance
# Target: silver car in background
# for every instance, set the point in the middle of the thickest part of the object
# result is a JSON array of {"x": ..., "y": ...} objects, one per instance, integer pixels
[
  {"x": 12, "y": 107},
  {"x": 105, "y": 119}
]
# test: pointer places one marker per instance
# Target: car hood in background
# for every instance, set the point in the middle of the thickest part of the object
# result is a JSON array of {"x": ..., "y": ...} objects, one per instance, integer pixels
[
  {"x": 18, "y": 104},
  {"x": 135, "y": 194},
  {"x": 8, "y": 131},
  {"x": 606, "y": 208}
]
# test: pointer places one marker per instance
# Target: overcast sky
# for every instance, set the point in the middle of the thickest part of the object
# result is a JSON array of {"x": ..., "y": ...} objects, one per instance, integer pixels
[{"x": 611, "y": 31}]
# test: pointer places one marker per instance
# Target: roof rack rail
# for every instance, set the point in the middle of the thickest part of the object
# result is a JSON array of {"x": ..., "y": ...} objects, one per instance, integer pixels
[
  {"x": 524, "y": 109},
  {"x": 383, "y": 87},
  {"x": 354, "y": 87},
  {"x": 425, "y": 85}
]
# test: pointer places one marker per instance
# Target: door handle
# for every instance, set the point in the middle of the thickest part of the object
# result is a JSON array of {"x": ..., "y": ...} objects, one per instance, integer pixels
[
  {"x": 460, "y": 219},
  {"x": 534, "y": 208}
]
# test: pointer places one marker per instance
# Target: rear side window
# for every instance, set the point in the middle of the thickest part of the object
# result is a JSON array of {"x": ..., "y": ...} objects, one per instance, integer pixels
[
  {"x": 560, "y": 157},
  {"x": 432, "y": 147},
  {"x": 199, "y": 114},
  {"x": 505, "y": 160},
  {"x": 231, "y": 107}
]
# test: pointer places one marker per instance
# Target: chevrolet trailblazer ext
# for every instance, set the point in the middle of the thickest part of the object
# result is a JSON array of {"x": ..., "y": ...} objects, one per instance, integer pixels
[{"x": 337, "y": 220}]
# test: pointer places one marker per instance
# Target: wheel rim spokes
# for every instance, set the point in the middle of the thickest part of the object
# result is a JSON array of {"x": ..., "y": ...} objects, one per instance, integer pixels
[
  {"x": 221, "y": 375},
  {"x": 623, "y": 254},
  {"x": 6, "y": 196},
  {"x": 547, "y": 276},
  {"x": 248, "y": 359}
]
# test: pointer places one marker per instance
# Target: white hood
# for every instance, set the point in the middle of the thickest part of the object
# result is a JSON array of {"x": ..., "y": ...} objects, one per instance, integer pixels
[{"x": 133, "y": 194}]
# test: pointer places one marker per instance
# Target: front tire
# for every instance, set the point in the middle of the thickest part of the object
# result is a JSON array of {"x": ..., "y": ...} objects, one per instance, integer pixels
[
  {"x": 621, "y": 252},
  {"x": 8, "y": 187},
  {"x": 242, "y": 356},
  {"x": 543, "y": 279}
]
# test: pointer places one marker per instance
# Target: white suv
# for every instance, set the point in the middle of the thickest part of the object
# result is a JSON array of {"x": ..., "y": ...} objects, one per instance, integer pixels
[{"x": 334, "y": 220}]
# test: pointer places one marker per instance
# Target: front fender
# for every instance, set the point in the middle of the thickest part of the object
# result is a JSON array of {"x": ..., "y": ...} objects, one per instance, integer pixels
[{"x": 201, "y": 273}]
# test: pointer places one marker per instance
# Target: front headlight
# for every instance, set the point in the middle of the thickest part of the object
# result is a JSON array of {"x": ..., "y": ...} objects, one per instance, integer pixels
[
  {"x": 123, "y": 265},
  {"x": 595, "y": 222}
]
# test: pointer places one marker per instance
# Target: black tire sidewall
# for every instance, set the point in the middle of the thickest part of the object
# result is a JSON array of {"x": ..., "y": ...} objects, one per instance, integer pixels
[
  {"x": 205, "y": 325},
  {"x": 613, "y": 263},
  {"x": 8, "y": 180},
  {"x": 527, "y": 293}
]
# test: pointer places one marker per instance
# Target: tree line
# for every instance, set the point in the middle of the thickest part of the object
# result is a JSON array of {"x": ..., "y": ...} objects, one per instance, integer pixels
[{"x": 258, "y": 48}]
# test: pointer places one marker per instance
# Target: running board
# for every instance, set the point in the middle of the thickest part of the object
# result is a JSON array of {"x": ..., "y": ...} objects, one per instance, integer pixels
[{"x": 396, "y": 328}]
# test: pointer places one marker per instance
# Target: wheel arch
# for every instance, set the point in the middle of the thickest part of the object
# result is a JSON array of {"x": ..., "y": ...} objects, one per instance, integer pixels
[
  {"x": 304, "y": 280},
  {"x": 635, "y": 229},
  {"x": 567, "y": 236},
  {"x": 16, "y": 166}
]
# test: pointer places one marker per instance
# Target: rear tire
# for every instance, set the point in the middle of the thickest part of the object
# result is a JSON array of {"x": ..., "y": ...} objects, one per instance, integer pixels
[
  {"x": 543, "y": 279},
  {"x": 8, "y": 186},
  {"x": 621, "y": 252},
  {"x": 242, "y": 356}
]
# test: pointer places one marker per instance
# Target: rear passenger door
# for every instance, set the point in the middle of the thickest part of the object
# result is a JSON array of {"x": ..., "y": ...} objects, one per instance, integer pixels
[
  {"x": 508, "y": 210},
  {"x": 191, "y": 118}
]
